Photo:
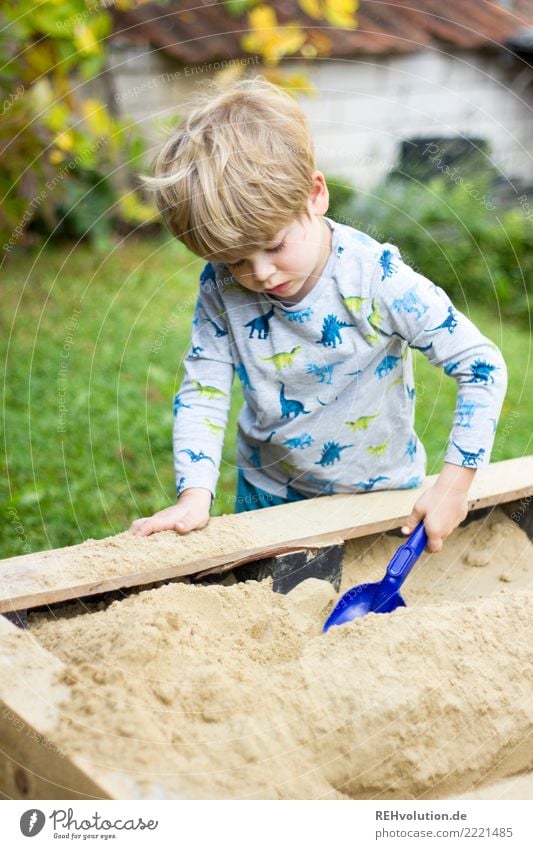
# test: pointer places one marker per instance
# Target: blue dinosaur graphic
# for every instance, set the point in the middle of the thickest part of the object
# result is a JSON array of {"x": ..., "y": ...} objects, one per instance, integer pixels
[
  {"x": 326, "y": 487},
  {"x": 410, "y": 302},
  {"x": 331, "y": 331},
  {"x": 180, "y": 485},
  {"x": 270, "y": 435},
  {"x": 386, "y": 365},
  {"x": 411, "y": 391},
  {"x": 387, "y": 263},
  {"x": 195, "y": 351},
  {"x": 411, "y": 450},
  {"x": 449, "y": 323},
  {"x": 194, "y": 457},
  {"x": 260, "y": 323},
  {"x": 219, "y": 331},
  {"x": 450, "y": 367},
  {"x": 470, "y": 458},
  {"x": 242, "y": 374},
  {"x": 340, "y": 250},
  {"x": 482, "y": 372},
  {"x": 290, "y": 407},
  {"x": 411, "y": 483},
  {"x": 331, "y": 452},
  {"x": 255, "y": 458},
  {"x": 371, "y": 482},
  {"x": 466, "y": 410},
  {"x": 300, "y": 316},
  {"x": 322, "y": 372},
  {"x": 302, "y": 441},
  {"x": 179, "y": 404}
]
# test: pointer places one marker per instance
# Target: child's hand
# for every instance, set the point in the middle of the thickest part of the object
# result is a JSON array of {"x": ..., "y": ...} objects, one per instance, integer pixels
[
  {"x": 443, "y": 507},
  {"x": 191, "y": 512}
]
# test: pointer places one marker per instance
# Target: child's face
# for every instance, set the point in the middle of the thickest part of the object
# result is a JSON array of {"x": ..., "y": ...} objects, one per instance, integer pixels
[{"x": 291, "y": 266}]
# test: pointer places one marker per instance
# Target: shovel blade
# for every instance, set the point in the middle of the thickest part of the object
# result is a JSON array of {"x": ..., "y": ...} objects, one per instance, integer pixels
[{"x": 360, "y": 600}]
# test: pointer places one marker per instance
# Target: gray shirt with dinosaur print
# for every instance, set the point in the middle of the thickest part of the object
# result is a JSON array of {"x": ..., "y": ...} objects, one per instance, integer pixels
[{"x": 328, "y": 383}]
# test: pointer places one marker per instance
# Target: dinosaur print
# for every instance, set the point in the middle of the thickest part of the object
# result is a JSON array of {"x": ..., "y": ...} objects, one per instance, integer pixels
[
  {"x": 388, "y": 265},
  {"x": 386, "y": 365},
  {"x": 482, "y": 372},
  {"x": 214, "y": 428},
  {"x": 195, "y": 351},
  {"x": 449, "y": 368},
  {"x": 331, "y": 452},
  {"x": 410, "y": 303},
  {"x": 422, "y": 348},
  {"x": 283, "y": 359},
  {"x": 289, "y": 468},
  {"x": 255, "y": 458},
  {"x": 371, "y": 482},
  {"x": 466, "y": 410},
  {"x": 322, "y": 372},
  {"x": 396, "y": 382},
  {"x": 195, "y": 458},
  {"x": 411, "y": 450},
  {"x": 303, "y": 441},
  {"x": 354, "y": 303},
  {"x": 260, "y": 324},
  {"x": 411, "y": 392},
  {"x": 331, "y": 331},
  {"x": 470, "y": 458},
  {"x": 208, "y": 391},
  {"x": 371, "y": 338},
  {"x": 219, "y": 331},
  {"x": 242, "y": 374},
  {"x": 290, "y": 407},
  {"x": 375, "y": 318},
  {"x": 362, "y": 422},
  {"x": 326, "y": 487},
  {"x": 340, "y": 250},
  {"x": 300, "y": 316},
  {"x": 178, "y": 404},
  {"x": 449, "y": 323},
  {"x": 411, "y": 483},
  {"x": 378, "y": 450},
  {"x": 180, "y": 486}
]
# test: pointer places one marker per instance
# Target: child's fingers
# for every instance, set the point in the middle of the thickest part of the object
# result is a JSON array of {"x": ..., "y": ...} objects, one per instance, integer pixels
[{"x": 415, "y": 516}]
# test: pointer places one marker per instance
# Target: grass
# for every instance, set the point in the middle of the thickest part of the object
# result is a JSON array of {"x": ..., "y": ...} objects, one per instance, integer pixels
[{"x": 102, "y": 334}]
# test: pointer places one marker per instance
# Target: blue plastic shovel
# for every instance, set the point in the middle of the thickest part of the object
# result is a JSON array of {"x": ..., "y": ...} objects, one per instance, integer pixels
[{"x": 383, "y": 596}]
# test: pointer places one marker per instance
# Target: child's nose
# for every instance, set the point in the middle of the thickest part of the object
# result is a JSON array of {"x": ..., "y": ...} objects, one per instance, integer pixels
[{"x": 263, "y": 268}]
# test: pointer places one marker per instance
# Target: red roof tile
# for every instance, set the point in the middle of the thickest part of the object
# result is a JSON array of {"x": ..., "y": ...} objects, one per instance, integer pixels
[{"x": 192, "y": 33}]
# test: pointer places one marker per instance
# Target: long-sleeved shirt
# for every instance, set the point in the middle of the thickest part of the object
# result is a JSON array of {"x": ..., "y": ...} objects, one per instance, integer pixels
[{"x": 328, "y": 382}]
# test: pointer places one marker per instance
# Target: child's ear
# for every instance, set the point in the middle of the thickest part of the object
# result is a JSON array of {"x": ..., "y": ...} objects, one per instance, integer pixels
[{"x": 319, "y": 194}]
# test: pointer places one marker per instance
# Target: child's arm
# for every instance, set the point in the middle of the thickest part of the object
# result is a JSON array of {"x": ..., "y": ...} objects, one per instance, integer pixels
[
  {"x": 411, "y": 307},
  {"x": 200, "y": 416}
]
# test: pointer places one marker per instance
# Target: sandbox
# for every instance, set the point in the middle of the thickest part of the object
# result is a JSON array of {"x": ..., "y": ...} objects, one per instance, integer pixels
[{"x": 190, "y": 691}]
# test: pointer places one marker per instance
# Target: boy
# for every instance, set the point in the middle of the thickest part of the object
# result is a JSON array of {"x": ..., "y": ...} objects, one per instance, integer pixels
[{"x": 317, "y": 320}]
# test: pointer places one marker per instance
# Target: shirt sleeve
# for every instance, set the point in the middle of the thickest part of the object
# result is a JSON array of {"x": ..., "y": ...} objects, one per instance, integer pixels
[
  {"x": 202, "y": 403},
  {"x": 404, "y": 303}
]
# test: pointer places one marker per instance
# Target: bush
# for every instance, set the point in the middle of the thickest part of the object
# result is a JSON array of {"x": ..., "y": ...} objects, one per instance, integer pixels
[{"x": 452, "y": 233}]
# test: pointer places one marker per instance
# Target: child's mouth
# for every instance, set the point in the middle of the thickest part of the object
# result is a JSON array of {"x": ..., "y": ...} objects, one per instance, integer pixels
[{"x": 280, "y": 288}]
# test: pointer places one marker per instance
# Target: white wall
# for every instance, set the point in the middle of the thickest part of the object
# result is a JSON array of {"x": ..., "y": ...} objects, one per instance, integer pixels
[{"x": 366, "y": 106}]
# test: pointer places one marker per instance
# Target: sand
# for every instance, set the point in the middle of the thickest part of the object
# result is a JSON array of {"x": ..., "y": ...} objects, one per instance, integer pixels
[{"x": 234, "y": 692}]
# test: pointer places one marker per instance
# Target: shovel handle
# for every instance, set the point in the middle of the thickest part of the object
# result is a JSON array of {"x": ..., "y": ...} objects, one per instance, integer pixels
[{"x": 407, "y": 555}]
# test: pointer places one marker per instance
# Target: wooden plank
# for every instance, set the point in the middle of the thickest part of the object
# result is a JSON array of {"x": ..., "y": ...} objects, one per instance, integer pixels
[
  {"x": 33, "y": 764},
  {"x": 125, "y": 560}
]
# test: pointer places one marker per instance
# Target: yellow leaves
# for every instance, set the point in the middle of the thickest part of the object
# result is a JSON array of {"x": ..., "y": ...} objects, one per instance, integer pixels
[
  {"x": 55, "y": 157},
  {"x": 97, "y": 117},
  {"x": 268, "y": 38},
  {"x": 339, "y": 13},
  {"x": 65, "y": 141},
  {"x": 86, "y": 40},
  {"x": 135, "y": 211}
]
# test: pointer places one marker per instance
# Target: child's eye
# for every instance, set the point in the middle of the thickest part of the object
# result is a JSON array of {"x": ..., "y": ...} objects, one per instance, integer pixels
[
  {"x": 277, "y": 248},
  {"x": 235, "y": 264},
  {"x": 274, "y": 250}
]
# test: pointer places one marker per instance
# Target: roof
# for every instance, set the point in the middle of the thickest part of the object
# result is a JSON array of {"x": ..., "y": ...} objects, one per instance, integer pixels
[{"x": 193, "y": 33}]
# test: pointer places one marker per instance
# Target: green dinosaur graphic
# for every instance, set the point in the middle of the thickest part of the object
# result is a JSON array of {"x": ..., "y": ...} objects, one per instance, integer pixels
[
  {"x": 371, "y": 338},
  {"x": 395, "y": 382},
  {"x": 362, "y": 422},
  {"x": 208, "y": 391},
  {"x": 375, "y": 318},
  {"x": 289, "y": 468},
  {"x": 378, "y": 450},
  {"x": 354, "y": 303},
  {"x": 214, "y": 428},
  {"x": 283, "y": 359}
]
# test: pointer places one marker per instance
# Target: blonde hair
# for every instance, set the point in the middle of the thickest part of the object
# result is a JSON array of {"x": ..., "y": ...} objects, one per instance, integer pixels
[{"x": 235, "y": 171}]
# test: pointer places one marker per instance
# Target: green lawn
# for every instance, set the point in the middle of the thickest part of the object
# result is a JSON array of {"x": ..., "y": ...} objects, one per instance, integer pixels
[{"x": 93, "y": 348}]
